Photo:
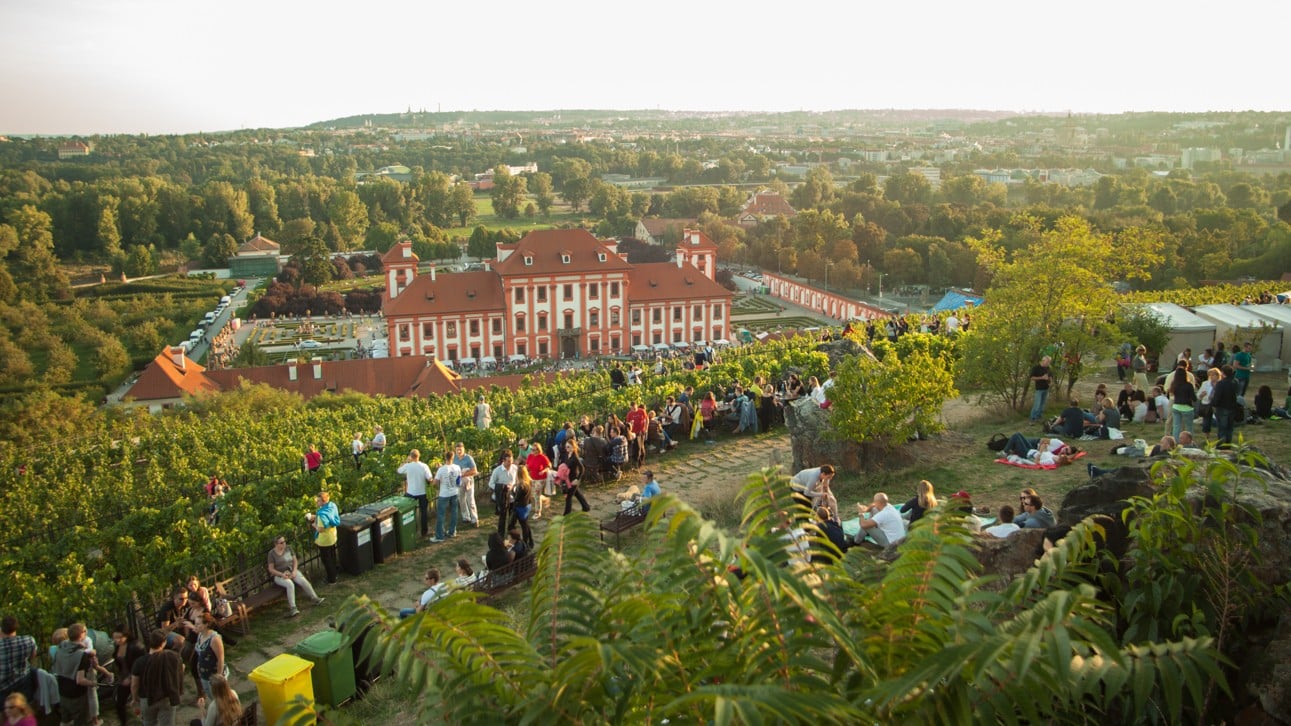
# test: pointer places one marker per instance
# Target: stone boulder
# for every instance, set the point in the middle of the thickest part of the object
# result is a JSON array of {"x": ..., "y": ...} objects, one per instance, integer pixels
[
  {"x": 1010, "y": 556},
  {"x": 813, "y": 439},
  {"x": 840, "y": 350}
]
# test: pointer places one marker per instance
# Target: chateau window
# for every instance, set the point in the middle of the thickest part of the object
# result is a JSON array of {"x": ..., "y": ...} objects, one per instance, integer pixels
[
  {"x": 475, "y": 352},
  {"x": 542, "y": 323},
  {"x": 475, "y": 327},
  {"x": 614, "y": 317},
  {"x": 569, "y": 292},
  {"x": 528, "y": 260},
  {"x": 658, "y": 338},
  {"x": 519, "y": 323},
  {"x": 636, "y": 339},
  {"x": 596, "y": 345},
  {"x": 614, "y": 342},
  {"x": 614, "y": 289},
  {"x": 542, "y": 349},
  {"x": 594, "y": 319},
  {"x": 450, "y": 329},
  {"x": 520, "y": 348},
  {"x": 497, "y": 352},
  {"x": 542, "y": 293},
  {"x": 519, "y": 296},
  {"x": 699, "y": 312},
  {"x": 656, "y": 316},
  {"x": 569, "y": 320},
  {"x": 497, "y": 326},
  {"x": 636, "y": 317},
  {"x": 717, "y": 312},
  {"x": 593, "y": 291},
  {"x": 676, "y": 315},
  {"x": 428, "y": 330},
  {"x": 404, "y": 332}
]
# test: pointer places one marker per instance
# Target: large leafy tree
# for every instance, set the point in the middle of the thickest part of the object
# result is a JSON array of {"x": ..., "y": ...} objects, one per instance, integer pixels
[
  {"x": 702, "y": 625},
  {"x": 508, "y": 192},
  {"x": 1051, "y": 296}
]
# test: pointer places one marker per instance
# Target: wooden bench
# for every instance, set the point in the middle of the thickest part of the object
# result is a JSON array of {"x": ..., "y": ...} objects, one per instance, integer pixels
[
  {"x": 247, "y": 591},
  {"x": 624, "y": 520},
  {"x": 496, "y": 582}
]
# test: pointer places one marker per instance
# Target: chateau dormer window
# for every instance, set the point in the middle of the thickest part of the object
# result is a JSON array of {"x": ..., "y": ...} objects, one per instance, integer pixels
[
  {"x": 528, "y": 260},
  {"x": 600, "y": 256},
  {"x": 564, "y": 259}
]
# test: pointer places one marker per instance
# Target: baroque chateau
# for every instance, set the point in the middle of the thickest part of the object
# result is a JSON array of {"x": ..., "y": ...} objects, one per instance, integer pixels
[{"x": 555, "y": 294}]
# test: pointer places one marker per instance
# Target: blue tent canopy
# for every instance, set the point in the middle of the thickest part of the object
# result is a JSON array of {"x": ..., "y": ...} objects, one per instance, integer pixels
[{"x": 954, "y": 300}]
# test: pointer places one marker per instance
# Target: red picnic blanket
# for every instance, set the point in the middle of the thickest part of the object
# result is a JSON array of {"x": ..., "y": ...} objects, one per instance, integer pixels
[{"x": 1022, "y": 465}]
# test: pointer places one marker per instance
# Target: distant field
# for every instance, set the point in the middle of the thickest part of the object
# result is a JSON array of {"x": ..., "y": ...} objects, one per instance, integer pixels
[{"x": 560, "y": 216}]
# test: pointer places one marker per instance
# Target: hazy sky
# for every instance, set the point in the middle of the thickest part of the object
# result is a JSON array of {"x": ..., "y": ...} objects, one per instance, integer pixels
[{"x": 173, "y": 66}]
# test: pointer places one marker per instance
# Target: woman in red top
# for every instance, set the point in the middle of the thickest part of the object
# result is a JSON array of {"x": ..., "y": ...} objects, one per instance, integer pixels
[
  {"x": 313, "y": 459},
  {"x": 538, "y": 466}
]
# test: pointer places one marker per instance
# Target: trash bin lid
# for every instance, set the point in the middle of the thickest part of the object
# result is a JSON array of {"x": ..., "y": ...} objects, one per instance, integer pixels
[
  {"x": 378, "y": 510},
  {"x": 320, "y": 644},
  {"x": 280, "y": 669},
  {"x": 400, "y": 502},
  {"x": 356, "y": 519}
]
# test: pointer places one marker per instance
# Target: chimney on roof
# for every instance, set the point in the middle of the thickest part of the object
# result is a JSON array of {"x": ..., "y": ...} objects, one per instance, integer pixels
[
  {"x": 291, "y": 369},
  {"x": 177, "y": 356},
  {"x": 318, "y": 368},
  {"x": 432, "y": 273}
]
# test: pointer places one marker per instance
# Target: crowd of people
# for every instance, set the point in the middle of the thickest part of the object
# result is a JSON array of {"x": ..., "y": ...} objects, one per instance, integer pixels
[{"x": 1209, "y": 389}]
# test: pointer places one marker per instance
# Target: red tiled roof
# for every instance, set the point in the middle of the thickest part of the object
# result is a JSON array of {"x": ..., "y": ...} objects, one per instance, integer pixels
[
  {"x": 769, "y": 204},
  {"x": 658, "y": 225},
  {"x": 394, "y": 255},
  {"x": 162, "y": 379},
  {"x": 654, "y": 281},
  {"x": 457, "y": 292},
  {"x": 396, "y": 377},
  {"x": 694, "y": 239},
  {"x": 258, "y": 244},
  {"x": 546, "y": 247}
]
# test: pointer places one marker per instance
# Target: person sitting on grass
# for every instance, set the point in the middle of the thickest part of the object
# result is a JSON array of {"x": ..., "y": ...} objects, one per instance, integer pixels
[
  {"x": 1035, "y": 515},
  {"x": 1071, "y": 422},
  {"x": 884, "y": 524},
  {"x": 434, "y": 591},
  {"x": 1006, "y": 526}
]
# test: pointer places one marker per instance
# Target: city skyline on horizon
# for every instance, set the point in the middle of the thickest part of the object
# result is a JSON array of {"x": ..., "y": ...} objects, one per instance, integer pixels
[{"x": 77, "y": 67}]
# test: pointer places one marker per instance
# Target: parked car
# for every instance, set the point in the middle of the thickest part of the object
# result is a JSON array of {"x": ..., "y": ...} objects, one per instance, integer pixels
[{"x": 309, "y": 344}]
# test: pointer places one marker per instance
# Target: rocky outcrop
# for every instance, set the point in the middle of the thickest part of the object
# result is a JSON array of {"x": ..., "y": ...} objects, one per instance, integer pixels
[
  {"x": 840, "y": 350},
  {"x": 1010, "y": 556},
  {"x": 813, "y": 439}
]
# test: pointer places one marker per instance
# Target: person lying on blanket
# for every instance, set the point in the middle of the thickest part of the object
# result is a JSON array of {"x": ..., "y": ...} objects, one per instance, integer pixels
[{"x": 1048, "y": 452}]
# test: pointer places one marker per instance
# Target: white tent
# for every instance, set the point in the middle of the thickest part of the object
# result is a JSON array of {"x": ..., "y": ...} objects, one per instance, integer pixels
[
  {"x": 1187, "y": 330},
  {"x": 1235, "y": 325},
  {"x": 641, "y": 348},
  {"x": 1281, "y": 316},
  {"x": 661, "y": 346},
  {"x": 516, "y": 358}
]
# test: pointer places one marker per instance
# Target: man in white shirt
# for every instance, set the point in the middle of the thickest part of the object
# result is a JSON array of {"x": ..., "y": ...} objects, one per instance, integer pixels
[
  {"x": 435, "y": 589},
  {"x": 416, "y": 474},
  {"x": 449, "y": 477},
  {"x": 357, "y": 449},
  {"x": 378, "y": 442},
  {"x": 466, "y": 493},
  {"x": 952, "y": 324},
  {"x": 500, "y": 483},
  {"x": 884, "y": 524},
  {"x": 1006, "y": 526}
]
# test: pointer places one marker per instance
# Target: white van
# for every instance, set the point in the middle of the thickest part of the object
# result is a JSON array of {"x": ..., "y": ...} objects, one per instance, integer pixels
[
  {"x": 208, "y": 318},
  {"x": 226, "y": 300},
  {"x": 195, "y": 336}
]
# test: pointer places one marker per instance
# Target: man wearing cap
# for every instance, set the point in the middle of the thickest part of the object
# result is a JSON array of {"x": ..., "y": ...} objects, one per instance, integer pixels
[
  {"x": 650, "y": 491},
  {"x": 962, "y": 501}
]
